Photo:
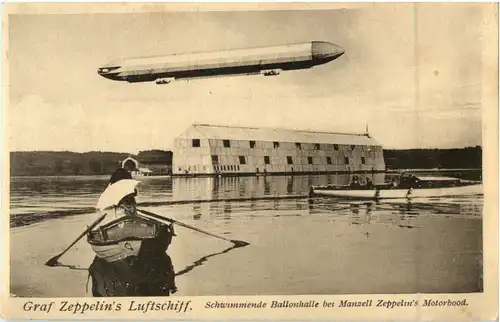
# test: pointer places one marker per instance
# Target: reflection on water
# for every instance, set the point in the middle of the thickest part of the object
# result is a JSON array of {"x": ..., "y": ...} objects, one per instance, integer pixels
[
  {"x": 45, "y": 194},
  {"x": 235, "y": 187},
  {"x": 36, "y": 197},
  {"x": 323, "y": 245},
  {"x": 398, "y": 211},
  {"x": 202, "y": 260}
]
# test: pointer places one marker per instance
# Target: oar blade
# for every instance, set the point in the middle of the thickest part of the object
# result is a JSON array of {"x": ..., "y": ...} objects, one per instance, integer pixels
[
  {"x": 53, "y": 262},
  {"x": 239, "y": 243}
]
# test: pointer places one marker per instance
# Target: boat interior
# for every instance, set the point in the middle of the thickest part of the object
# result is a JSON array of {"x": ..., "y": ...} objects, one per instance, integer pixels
[{"x": 125, "y": 228}]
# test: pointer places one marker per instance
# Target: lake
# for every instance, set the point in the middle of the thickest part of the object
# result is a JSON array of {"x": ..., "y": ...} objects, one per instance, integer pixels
[{"x": 297, "y": 245}]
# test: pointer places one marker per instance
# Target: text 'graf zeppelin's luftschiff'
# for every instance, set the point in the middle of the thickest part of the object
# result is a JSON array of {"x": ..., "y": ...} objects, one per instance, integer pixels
[{"x": 268, "y": 61}]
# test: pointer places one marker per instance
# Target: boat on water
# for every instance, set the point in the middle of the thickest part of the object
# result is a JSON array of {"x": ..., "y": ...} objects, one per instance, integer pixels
[
  {"x": 127, "y": 233},
  {"x": 409, "y": 186},
  {"x": 141, "y": 173},
  {"x": 131, "y": 258},
  {"x": 130, "y": 235},
  {"x": 130, "y": 249}
]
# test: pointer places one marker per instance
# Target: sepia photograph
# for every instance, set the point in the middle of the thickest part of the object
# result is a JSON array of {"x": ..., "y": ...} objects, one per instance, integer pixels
[{"x": 284, "y": 152}]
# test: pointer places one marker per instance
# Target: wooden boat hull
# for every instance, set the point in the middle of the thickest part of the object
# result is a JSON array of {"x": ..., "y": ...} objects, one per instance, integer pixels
[
  {"x": 130, "y": 236},
  {"x": 474, "y": 189},
  {"x": 115, "y": 252}
]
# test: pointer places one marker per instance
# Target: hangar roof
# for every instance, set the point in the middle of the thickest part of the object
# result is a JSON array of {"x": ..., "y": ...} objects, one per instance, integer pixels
[{"x": 220, "y": 132}]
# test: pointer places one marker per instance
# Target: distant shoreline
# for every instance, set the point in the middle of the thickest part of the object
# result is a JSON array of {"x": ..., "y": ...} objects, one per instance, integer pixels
[
  {"x": 66, "y": 164},
  {"x": 106, "y": 176}
]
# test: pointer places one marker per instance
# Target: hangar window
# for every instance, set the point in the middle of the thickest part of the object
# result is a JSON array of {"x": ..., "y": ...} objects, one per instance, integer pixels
[
  {"x": 276, "y": 144},
  {"x": 252, "y": 144},
  {"x": 298, "y": 146},
  {"x": 227, "y": 143},
  {"x": 309, "y": 160},
  {"x": 266, "y": 160},
  {"x": 328, "y": 160},
  {"x": 363, "y": 161},
  {"x": 316, "y": 146},
  {"x": 196, "y": 143},
  {"x": 242, "y": 159},
  {"x": 289, "y": 160},
  {"x": 336, "y": 147},
  {"x": 215, "y": 159},
  {"x": 346, "y": 160}
]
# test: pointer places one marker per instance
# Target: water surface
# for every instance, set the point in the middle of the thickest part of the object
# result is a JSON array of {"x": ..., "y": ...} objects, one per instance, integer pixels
[{"x": 297, "y": 245}]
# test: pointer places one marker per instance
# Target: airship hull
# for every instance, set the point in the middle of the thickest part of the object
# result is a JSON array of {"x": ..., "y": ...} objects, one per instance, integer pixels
[
  {"x": 266, "y": 60},
  {"x": 211, "y": 72}
]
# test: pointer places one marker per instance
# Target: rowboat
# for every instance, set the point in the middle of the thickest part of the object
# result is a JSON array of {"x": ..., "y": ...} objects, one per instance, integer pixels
[
  {"x": 128, "y": 233},
  {"x": 409, "y": 186},
  {"x": 131, "y": 258},
  {"x": 128, "y": 236}
]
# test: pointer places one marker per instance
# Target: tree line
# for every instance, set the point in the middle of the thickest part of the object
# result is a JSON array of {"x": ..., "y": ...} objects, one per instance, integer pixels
[
  {"x": 48, "y": 163},
  {"x": 466, "y": 158}
]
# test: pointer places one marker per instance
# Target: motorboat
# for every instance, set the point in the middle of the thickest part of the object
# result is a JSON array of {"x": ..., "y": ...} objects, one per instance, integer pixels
[{"x": 409, "y": 186}]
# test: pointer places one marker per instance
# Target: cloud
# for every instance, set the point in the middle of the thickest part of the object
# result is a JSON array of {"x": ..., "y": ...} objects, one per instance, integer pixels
[
  {"x": 407, "y": 81},
  {"x": 35, "y": 124}
]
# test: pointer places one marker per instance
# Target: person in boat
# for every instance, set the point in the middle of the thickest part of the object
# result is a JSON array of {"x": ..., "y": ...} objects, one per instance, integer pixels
[
  {"x": 119, "y": 174},
  {"x": 406, "y": 181},
  {"x": 128, "y": 203},
  {"x": 393, "y": 184},
  {"x": 369, "y": 183},
  {"x": 146, "y": 272},
  {"x": 355, "y": 183}
]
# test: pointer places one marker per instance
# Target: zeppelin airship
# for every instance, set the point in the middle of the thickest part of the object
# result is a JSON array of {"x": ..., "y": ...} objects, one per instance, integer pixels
[{"x": 267, "y": 61}]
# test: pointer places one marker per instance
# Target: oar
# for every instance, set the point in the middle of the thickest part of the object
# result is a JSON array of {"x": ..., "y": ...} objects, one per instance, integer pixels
[
  {"x": 54, "y": 260},
  {"x": 237, "y": 243}
]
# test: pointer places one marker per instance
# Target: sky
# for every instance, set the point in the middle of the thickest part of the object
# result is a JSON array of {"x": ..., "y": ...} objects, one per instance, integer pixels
[{"x": 413, "y": 73}]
